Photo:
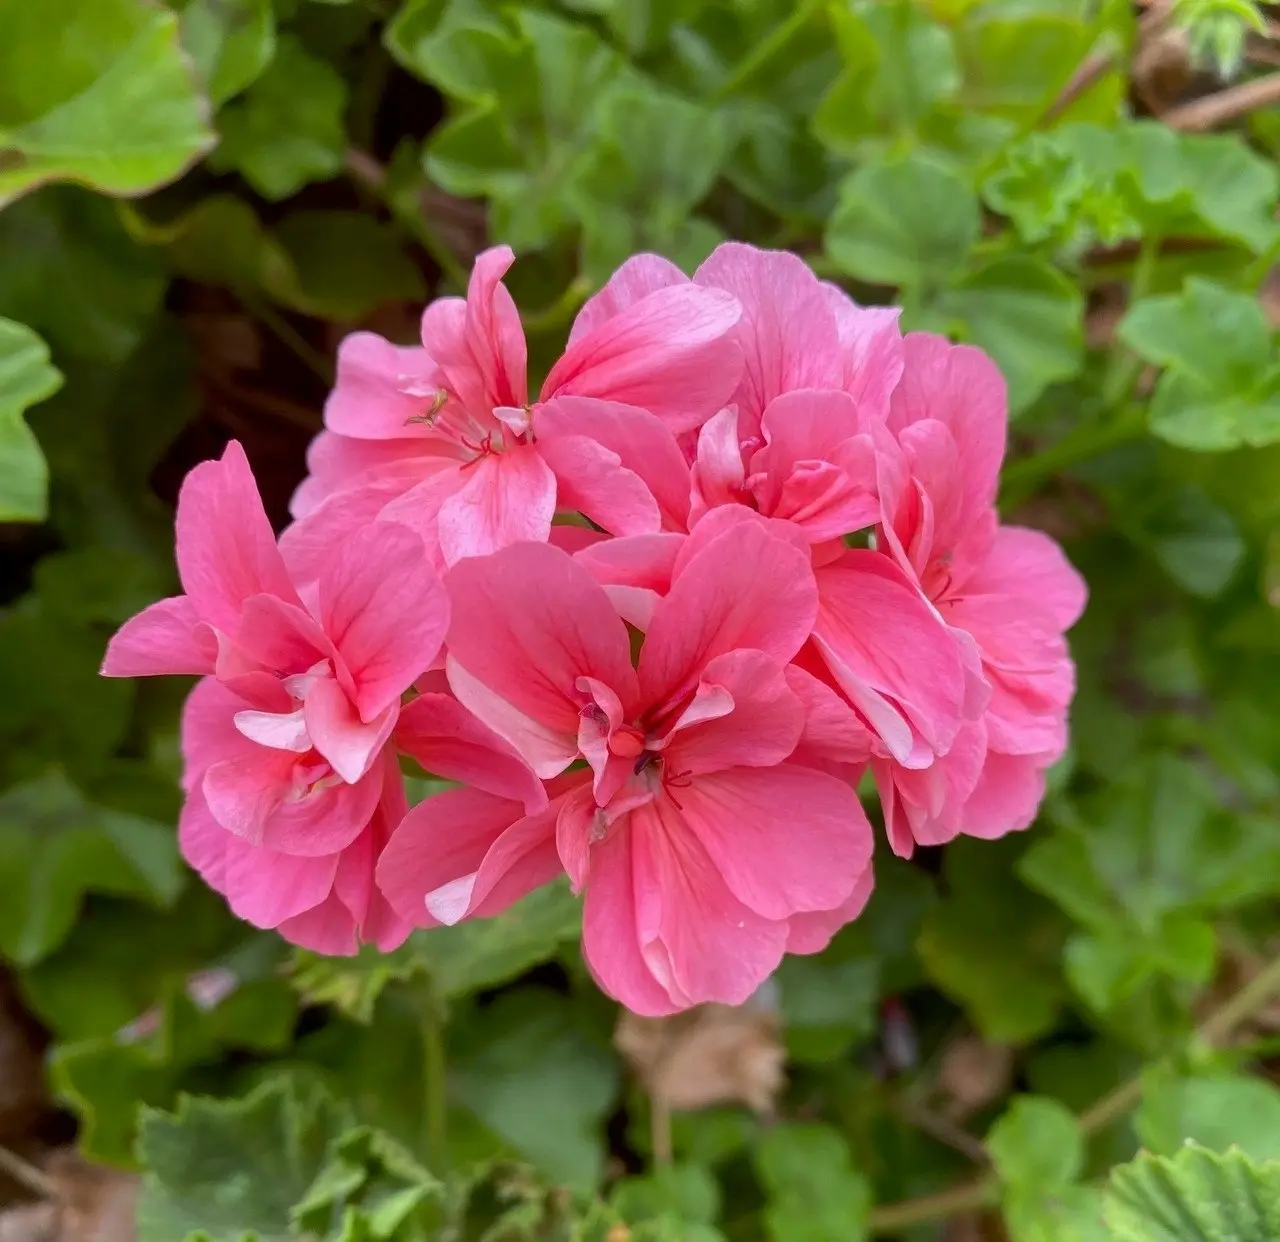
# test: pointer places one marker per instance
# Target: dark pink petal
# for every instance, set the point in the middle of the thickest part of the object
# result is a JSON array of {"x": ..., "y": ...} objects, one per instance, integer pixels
[
  {"x": 702, "y": 943},
  {"x": 786, "y": 839},
  {"x": 165, "y": 638},
  {"x": 870, "y": 349},
  {"x": 244, "y": 791},
  {"x": 671, "y": 353},
  {"x": 385, "y": 611},
  {"x": 610, "y": 935},
  {"x": 449, "y": 742},
  {"x": 639, "y": 276},
  {"x": 787, "y": 330},
  {"x": 203, "y": 841},
  {"x": 279, "y": 636},
  {"x": 479, "y": 344},
  {"x": 591, "y": 480},
  {"x": 334, "y": 726},
  {"x": 368, "y": 401},
  {"x": 812, "y": 931},
  {"x": 527, "y": 624},
  {"x": 746, "y": 588},
  {"x": 720, "y": 521},
  {"x": 504, "y": 498},
  {"x": 642, "y": 443},
  {"x": 225, "y": 547},
  {"x": 962, "y": 387},
  {"x": 891, "y": 655},
  {"x": 761, "y": 726}
]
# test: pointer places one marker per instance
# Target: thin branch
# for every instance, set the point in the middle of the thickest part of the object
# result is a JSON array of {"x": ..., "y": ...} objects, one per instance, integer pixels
[
  {"x": 1226, "y": 105},
  {"x": 26, "y": 1174}
]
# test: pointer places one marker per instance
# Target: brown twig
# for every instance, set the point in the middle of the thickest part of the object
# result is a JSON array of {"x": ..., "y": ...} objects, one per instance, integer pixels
[
  {"x": 26, "y": 1174},
  {"x": 1225, "y": 105}
]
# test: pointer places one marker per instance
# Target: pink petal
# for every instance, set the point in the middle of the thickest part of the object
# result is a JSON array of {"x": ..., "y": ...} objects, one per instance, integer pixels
[
  {"x": 787, "y": 330},
  {"x": 834, "y": 739},
  {"x": 449, "y": 742},
  {"x": 812, "y": 931},
  {"x": 1029, "y": 565},
  {"x": 960, "y": 386},
  {"x": 890, "y": 654},
  {"x": 265, "y": 887},
  {"x": 635, "y": 572},
  {"x": 591, "y": 480},
  {"x": 308, "y": 543},
  {"x": 702, "y": 943},
  {"x": 610, "y": 936},
  {"x": 762, "y": 726},
  {"x": 243, "y": 792},
  {"x": 479, "y": 345},
  {"x": 349, "y": 744},
  {"x": 336, "y": 463},
  {"x": 327, "y": 928},
  {"x": 642, "y": 443},
  {"x": 203, "y": 841},
  {"x": 745, "y": 588},
  {"x": 442, "y": 842},
  {"x": 165, "y": 638},
  {"x": 718, "y": 476},
  {"x": 225, "y": 548},
  {"x": 209, "y": 732},
  {"x": 527, "y": 624},
  {"x": 505, "y": 498},
  {"x": 785, "y": 839},
  {"x": 671, "y": 353},
  {"x": 870, "y": 348},
  {"x": 1007, "y": 796},
  {"x": 279, "y": 636},
  {"x": 385, "y": 610},
  {"x": 639, "y": 276},
  {"x": 367, "y": 402},
  {"x": 325, "y": 821}
]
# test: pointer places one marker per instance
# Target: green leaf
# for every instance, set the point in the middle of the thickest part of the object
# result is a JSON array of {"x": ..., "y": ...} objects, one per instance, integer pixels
[
  {"x": 1221, "y": 388},
  {"x": 1197, "y": 1196},
  {"x": 827, "y": 1004},
  {"x": 233, "y": 1170},
  {"x": 1036, "y": 1145},
  {"x": 1028, "y": 316},
  {"x": 26, "y": 378},
  {"x": 681, "y": 1194},
  {"x": 55, "y": 846},
  {"x": 909, "y": 222},
  {"x": 480, "y": 953},
  {"x": 287, "y": 129},
  {"x": 98, "y": 92},
  {"x": 538, "y": 1083},
  {"x": 1216, "y": 1111},
  {"x": 994, "y": 945},
  {"x": 814, "y": 1192},
  {"x": 69, "y": 271},
  {"x": 346, "y": 265},
  {"x": 1195, "y": 541},
  {"x": 1072, "y": 1214},
  {"x": 230, "y": 41}
]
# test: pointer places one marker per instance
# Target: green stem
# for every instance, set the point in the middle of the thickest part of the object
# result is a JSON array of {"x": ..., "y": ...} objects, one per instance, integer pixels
[
  {"x": 1125, "y": 367},
  {"x": 435, "y": 1142},
  {"x": 555, "y": 316},
  {"x": 770, "y": 46},
  {"x": 969, "y": 1197}
]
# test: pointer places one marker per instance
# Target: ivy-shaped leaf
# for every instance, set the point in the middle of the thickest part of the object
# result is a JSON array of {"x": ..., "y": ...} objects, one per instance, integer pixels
[{"x": 26, "y": 378}]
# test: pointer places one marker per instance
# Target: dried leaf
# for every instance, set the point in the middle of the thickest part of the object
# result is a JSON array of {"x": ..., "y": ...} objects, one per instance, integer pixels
[
  {"x": 973, "y": 1074},
  {"x": 714, "y": 1054}
]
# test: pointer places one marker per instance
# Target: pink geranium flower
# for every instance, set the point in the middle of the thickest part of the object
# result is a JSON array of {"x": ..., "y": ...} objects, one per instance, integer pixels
[
  {"x": 1007, "y": 593},
  {"x": 703, "y": 850},
  {"x": 292, "y": 784},
  {"x": 444, "y": 439}
]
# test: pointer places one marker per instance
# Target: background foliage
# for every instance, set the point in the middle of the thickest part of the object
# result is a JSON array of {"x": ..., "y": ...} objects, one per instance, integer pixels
[{"x": 200, "y": 199}]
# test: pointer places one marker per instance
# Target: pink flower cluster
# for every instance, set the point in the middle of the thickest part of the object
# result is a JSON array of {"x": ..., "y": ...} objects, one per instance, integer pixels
[{"x": 782, "y": 566}]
